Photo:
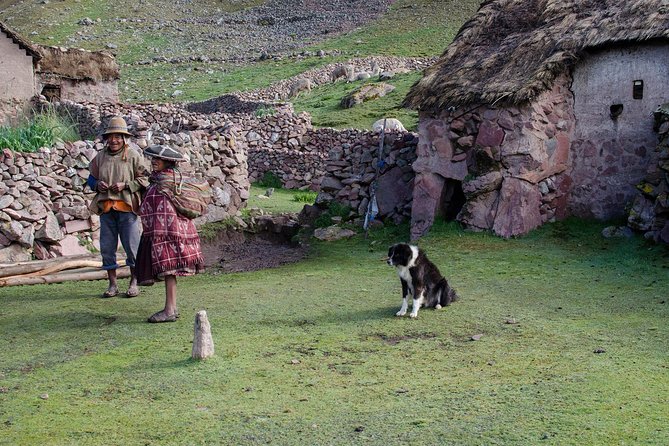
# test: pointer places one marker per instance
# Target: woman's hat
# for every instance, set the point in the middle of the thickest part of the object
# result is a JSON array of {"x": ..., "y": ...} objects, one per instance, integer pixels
[
  {"x": 117, "y": 125},
  {"x": 163, "y": 152}
]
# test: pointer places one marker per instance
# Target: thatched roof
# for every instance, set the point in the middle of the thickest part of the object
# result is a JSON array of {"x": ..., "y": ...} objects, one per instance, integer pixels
[
  {"x": 512, "y": 50},
  {"x": 20, "y": 41},
  {"x": 78, "y": 64}
]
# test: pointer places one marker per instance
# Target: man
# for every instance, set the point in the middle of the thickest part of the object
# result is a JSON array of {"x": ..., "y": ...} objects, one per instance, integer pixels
[{"x": 118, "y": 175}]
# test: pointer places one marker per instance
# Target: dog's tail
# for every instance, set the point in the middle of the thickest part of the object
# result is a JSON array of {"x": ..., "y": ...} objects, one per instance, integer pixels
[{"x": 448, "y": 294}]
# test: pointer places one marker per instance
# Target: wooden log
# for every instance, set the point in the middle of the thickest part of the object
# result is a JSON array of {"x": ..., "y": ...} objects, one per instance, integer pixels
[
  {"x": 31, "y": 266},
  {"x": 64, "y": 276},
  {"x": 203, "y": 343}
]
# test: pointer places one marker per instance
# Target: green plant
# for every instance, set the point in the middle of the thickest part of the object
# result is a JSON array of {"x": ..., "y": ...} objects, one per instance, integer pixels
[
  {"x": 307, "y": 197},
  {"x": 270, "y": 179},
  {"x": 265, "y": 111},
  {"x": 337, "y": 209},
  {"x": 323, "y": 221},
  {"x": 41, "y": 130}
]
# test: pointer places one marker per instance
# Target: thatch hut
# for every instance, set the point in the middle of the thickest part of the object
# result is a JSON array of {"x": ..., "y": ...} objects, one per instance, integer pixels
[
  {"x": 538, "y": 110},
  {"x": 78, "y": 75}
]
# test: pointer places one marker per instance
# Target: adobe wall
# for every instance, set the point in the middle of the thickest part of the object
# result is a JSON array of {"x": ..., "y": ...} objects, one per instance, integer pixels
[
  {"x": 17, "y": 78},
  {"x": 610, "y": 153},
  {"x": 510, "y": 162},
  {"x": 89, "y": 91}
]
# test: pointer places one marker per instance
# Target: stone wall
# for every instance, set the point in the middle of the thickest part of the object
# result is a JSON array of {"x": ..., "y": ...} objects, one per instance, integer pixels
[
  {"x": 44, "y": 202},
  {"x": 351, "y": 171},
  {"x": 509, "y": 163},
  {"x": 650, "y": 211}
]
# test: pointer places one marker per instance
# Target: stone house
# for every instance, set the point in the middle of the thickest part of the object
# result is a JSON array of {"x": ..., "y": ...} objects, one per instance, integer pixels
[
  {"x": 27, "y": 69},
  {"x": 538, "y": 110}
]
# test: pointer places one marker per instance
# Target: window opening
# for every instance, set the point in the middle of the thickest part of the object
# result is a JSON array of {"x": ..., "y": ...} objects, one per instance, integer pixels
[
  {"x": 637, "y": 89},
  {"x": 616, "y": 110}
]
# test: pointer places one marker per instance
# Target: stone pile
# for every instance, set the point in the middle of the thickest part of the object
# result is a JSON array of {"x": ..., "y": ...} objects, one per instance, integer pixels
[{"x": 650, "y": 211}]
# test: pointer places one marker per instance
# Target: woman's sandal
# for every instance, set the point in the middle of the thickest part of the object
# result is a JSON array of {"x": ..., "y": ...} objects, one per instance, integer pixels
[
  {"x": 161, "y": 316},
  {"x": 133, "y": 291},
  {"x": 111, "y": 292}
]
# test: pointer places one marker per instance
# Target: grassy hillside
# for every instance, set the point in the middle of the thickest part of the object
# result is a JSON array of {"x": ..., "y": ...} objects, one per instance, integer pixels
[{"x": 181, "y": 29}]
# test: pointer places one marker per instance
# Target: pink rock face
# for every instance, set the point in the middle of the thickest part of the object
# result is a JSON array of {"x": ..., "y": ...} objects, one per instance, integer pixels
[
  {"x": 518, "y": 208},
  {"x": 426, "y": 195},
  {"x": 490, "y": 135}
]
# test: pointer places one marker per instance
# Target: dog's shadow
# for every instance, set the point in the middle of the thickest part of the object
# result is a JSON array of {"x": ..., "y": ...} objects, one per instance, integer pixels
[{"x": 337, "y": 317}]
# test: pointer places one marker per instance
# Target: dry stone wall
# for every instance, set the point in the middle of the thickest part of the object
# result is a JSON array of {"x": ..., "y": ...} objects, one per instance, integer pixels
[
  {"x": 354, "y": 171},
  {"x": 44, "y": 201}
]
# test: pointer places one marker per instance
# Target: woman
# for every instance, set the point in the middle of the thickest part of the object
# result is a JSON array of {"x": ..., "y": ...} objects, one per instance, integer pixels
[
  {"x": 170, "y": 245},
  {"x": 118, "y": 175}
]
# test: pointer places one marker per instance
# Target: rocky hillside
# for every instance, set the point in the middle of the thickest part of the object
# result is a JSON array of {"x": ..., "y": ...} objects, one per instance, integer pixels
[{"x": 146, "y": 31}]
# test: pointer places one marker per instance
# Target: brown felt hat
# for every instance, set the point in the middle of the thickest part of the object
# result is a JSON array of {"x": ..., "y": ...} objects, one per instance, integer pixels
[
  {"x": 163, "y": 152},
  {"x": 117, "y": 125}
]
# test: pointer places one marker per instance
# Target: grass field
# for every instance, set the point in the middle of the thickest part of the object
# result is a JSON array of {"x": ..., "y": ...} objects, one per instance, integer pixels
[{"x": 312, "y": 353}]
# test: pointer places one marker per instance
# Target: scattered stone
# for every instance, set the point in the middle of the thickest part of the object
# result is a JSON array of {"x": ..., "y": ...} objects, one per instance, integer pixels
[
  {"x": 44, "y": 396},
  {"x": 476, "y": 337},
  {"x": 599, "y": 350}
]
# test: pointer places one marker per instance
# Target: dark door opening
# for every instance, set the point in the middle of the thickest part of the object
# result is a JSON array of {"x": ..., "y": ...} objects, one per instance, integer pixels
[
  {"x": 51, "y": 93},
  {"x": 452, "y": 199}
]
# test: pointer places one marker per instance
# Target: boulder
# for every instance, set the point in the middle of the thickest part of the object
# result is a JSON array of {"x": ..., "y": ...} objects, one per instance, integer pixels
[
  {"x": 332, "y": 233},
  {"x": 366, "y": 93},
  {"x": 518, "y": 208},
  {"x": 14, "y": 253}
]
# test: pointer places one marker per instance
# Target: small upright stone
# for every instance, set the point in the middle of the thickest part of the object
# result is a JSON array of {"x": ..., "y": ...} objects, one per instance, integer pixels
[{"x": 203, "y": 344}]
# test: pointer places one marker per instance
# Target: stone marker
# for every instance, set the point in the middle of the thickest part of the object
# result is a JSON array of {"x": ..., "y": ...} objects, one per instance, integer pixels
[{"x": 203, "y": 344}]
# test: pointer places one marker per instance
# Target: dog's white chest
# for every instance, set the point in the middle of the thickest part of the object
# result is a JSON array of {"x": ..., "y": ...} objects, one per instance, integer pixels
[{"x": 405, "y": 275}]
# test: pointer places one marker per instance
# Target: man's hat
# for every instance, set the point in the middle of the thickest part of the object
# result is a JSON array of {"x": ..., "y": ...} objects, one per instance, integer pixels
[
  {"x": 117, "y": 125},
  {"x": 163, "y": 152}
]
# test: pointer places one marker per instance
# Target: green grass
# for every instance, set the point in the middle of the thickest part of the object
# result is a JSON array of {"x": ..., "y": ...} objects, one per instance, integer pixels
[
  {"x": 323, "y": 104},
  {"x": 410, "y": 28},
  {"x": 312, "y": 353},
  {"x": 281, "y": 201},
  {"x": 40, "y": 130}
]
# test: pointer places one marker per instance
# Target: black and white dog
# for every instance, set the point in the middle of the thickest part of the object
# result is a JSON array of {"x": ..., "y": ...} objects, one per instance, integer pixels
[{"x": 420, "y": 278}]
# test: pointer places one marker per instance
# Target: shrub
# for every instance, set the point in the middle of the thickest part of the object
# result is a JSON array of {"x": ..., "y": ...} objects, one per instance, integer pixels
[
  {"x": 308, "y": 197},
  {"x": 270, "y": 179},
  {"x": 42, "y": 130},
  {"x": 323, "y": 221},
  {"x": 337, "y": 209}
]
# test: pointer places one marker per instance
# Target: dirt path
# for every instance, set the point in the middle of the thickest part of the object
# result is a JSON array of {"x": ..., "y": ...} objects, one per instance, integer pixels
[{"x": 236, "y": 252}]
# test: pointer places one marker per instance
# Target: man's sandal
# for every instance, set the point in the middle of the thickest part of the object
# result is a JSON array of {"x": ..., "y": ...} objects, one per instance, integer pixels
[
  {"x": 111, "y": 292},
  {"x": 161, "y": 316}
]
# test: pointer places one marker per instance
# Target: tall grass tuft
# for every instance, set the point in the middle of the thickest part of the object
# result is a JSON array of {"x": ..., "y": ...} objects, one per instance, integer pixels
[
  {"x": 307, "y": 197},
  {"x": 43, "y": 129}
]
